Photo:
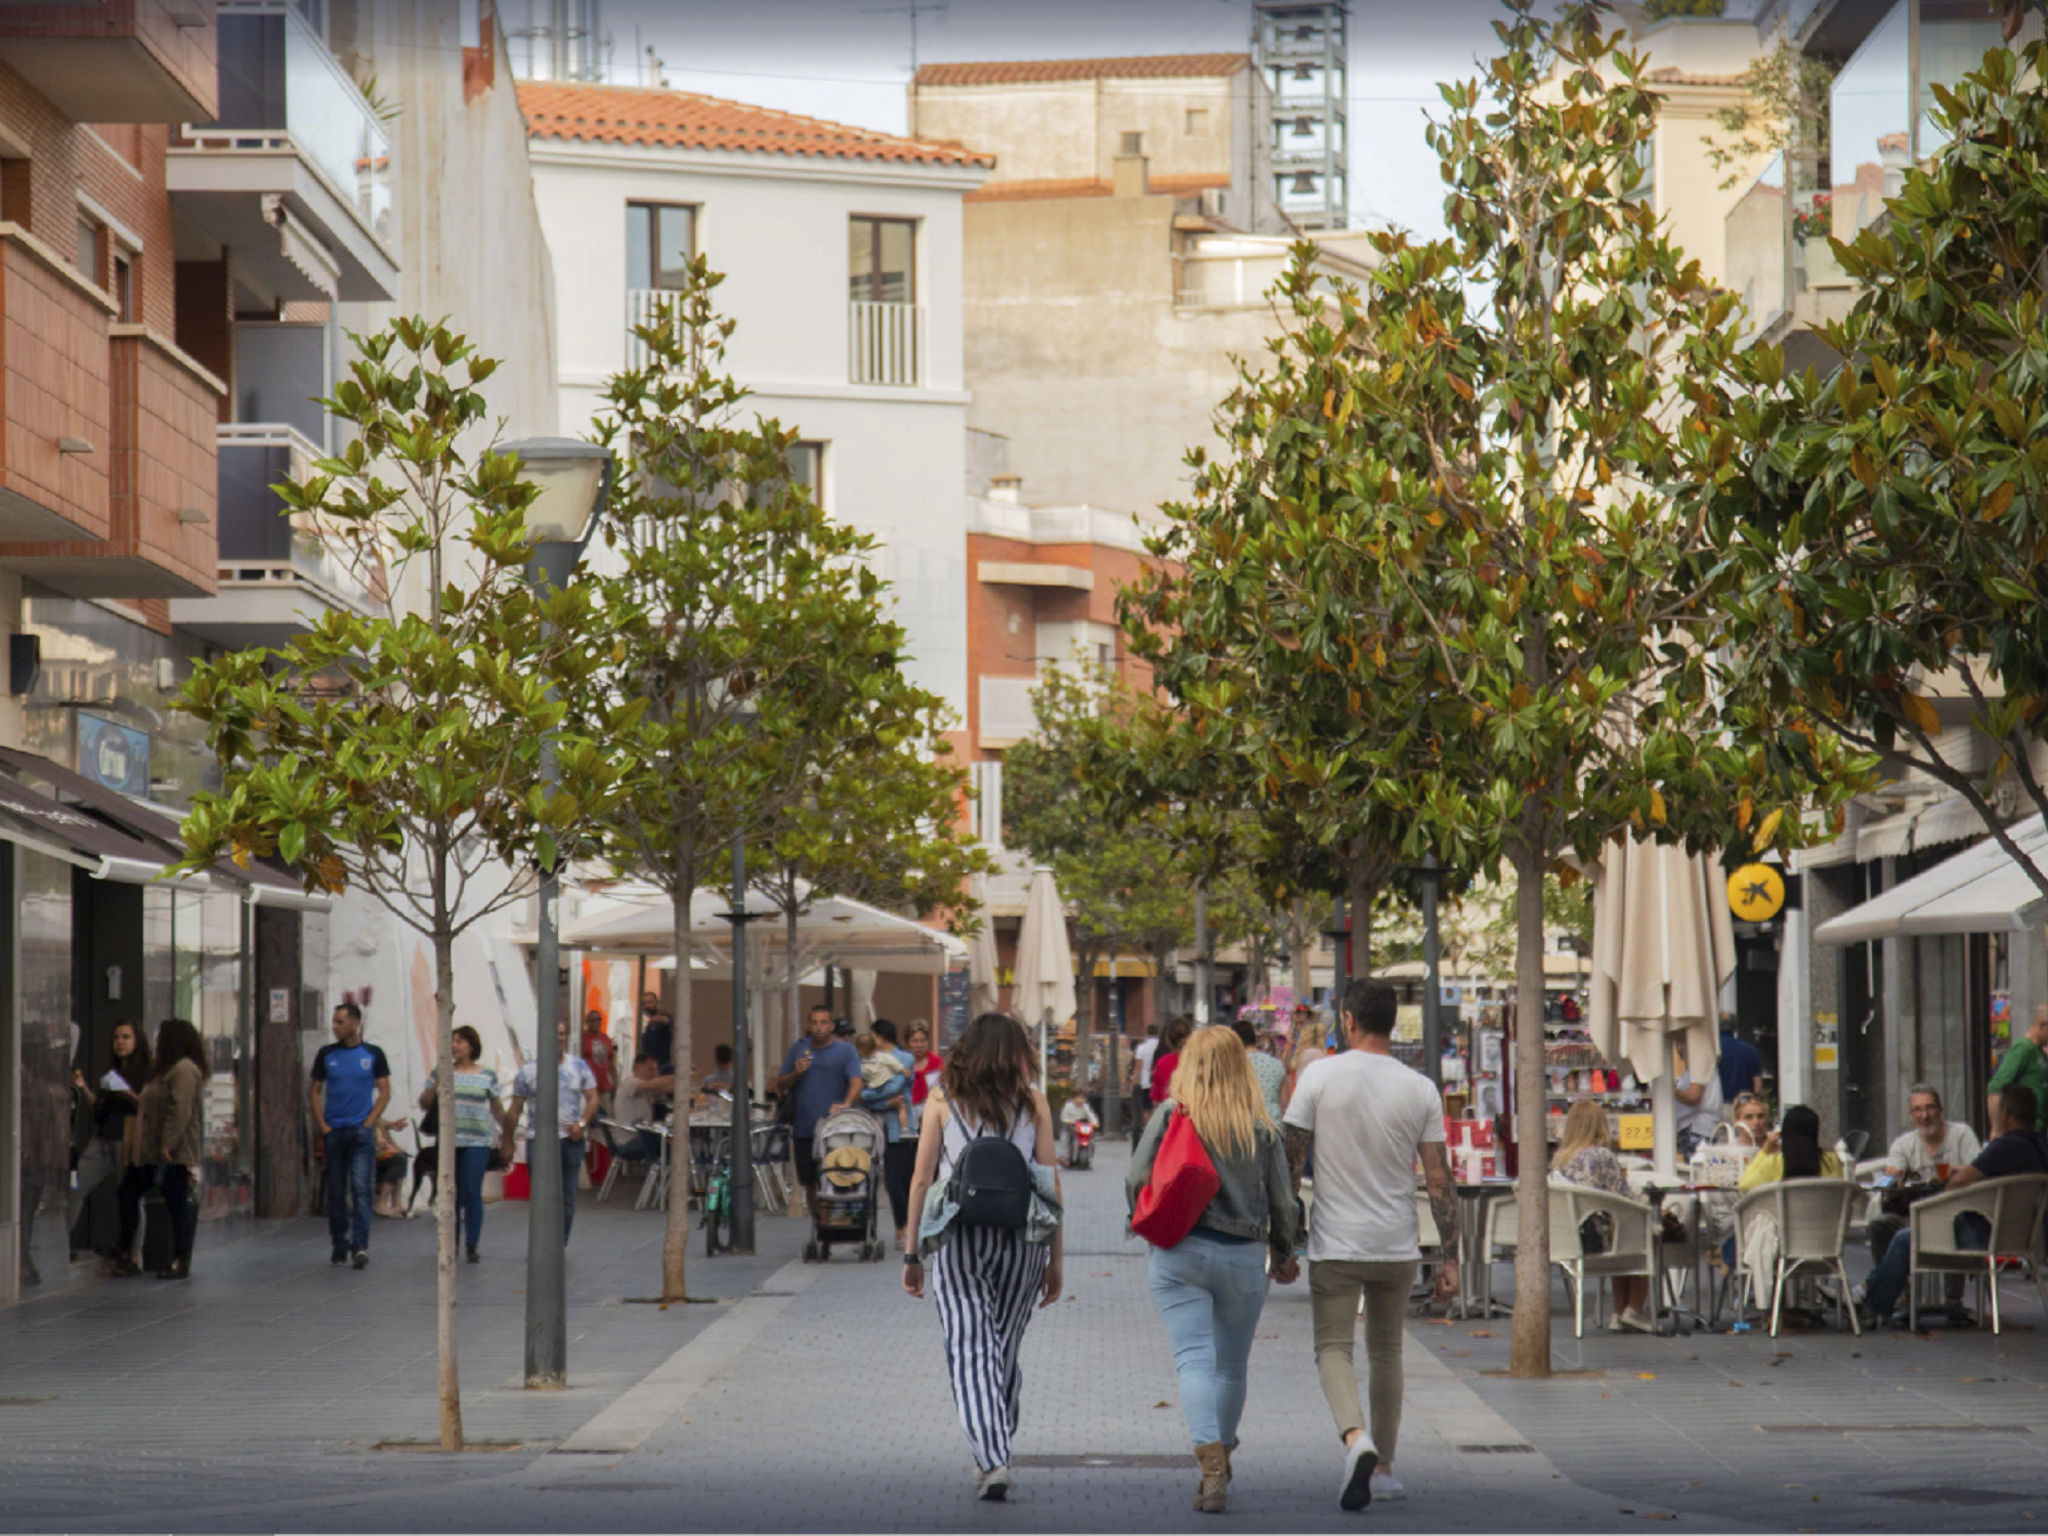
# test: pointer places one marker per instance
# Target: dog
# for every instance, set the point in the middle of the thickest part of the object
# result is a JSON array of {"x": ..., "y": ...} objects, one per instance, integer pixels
[{"x": 426, "y": 1162}]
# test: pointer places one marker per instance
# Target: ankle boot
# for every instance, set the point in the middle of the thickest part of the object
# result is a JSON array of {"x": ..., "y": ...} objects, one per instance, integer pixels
[
  {"x": 1214, "y": 1461},
  {"x": 1228, "y": 1451}
]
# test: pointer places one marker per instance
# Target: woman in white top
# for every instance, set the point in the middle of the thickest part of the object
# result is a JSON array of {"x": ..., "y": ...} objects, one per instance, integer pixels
[{"x": 984, "y": 1278}]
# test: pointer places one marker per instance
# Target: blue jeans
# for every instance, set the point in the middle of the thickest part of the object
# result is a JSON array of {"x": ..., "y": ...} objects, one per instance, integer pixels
[
  {"x": 1888, "y": 1281},
  {"x": 572, "y": 1164},
  {"x": 1209, "y": 1292},
  {"x": 351, "y": 1176},
  {"x": 471, "y": 1164}
]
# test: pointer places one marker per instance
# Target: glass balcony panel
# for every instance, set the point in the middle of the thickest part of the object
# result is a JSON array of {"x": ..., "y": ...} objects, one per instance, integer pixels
[
  {"x": 1954, "y": 36},
  {"x": 1871, "y": 119},
  {"x": 1759, "y": 261}
]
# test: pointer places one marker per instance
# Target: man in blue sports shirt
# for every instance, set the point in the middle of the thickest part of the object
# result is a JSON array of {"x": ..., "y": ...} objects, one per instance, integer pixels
[{"x": 351, "y": 1086}]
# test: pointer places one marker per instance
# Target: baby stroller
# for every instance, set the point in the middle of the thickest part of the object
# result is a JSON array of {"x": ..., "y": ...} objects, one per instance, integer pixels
[{"x": 848, "y": 1146}]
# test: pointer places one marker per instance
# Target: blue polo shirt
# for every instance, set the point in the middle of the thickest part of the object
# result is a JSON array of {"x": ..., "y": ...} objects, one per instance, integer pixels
[
  {"x": 351, "y": 1073},
  {"x": 833, "y": 1069}
]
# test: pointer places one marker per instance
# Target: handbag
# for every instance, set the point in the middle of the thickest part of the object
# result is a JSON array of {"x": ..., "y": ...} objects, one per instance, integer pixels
[{"x": 1184, "y": 1180}]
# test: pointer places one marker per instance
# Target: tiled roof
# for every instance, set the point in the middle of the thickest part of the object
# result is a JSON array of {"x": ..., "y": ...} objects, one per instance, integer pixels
[
  {"x": 1155, "y": 66},
  {"x": 621, "y": 114},
  {"x": 1027, "y": 190},
  {"x": 1671, "y": 74}
]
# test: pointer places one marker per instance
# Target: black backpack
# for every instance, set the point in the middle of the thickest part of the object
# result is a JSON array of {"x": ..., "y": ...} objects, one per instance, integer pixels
[{"x": 991, "y": 1184}]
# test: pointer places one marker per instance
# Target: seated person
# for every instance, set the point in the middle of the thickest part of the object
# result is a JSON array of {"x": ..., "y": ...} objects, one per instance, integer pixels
[
  {"x": 1791, "y": 1152},
  {"x": 1699, "y": 1109},
  {"x": 1752, "y": 1119},
  {"x": 1075, "y": 1111},
  {"x": 719, "y": 1078},
  {"x": 2016, "y": 1148},
  {"x": 640, "y": 1099},
  {"x": 1934, "y": 1148},
  {"x": 1586, "y": 1156},
  {"x": 391, "y": 1166}
]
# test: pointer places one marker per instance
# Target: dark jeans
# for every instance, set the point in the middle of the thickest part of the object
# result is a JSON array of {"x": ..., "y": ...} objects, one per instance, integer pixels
[
  {"x": 471, "y": 1164},
  {"x": 351, "y": 1176},
  {"x": 1888, "y": 1281},
  {"x": 898, "y": 1163},
  {"x": 178, "y": 1205}
]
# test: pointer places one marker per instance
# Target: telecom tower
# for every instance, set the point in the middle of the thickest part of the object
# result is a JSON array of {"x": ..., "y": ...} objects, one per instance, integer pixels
[
  {"x": 560, "y": 39},
  {"x": 1301, "y": 50}
]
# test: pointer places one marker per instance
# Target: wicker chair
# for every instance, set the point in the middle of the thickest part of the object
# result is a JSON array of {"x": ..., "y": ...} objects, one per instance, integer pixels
[
  {"x": 2013, "y": 1206},
  {"x": 1631, "y": 1248},
  {"x": 1813, "y": 1222}
]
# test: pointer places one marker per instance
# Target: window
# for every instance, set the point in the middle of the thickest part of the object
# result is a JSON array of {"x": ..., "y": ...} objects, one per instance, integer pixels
[
  {"x": 1198, "y": 122},
  {"x": 87, "y": 254},
  {"x": 881, "y": 263},
  {"x": 124, "y": 287},
  {"x": 660, "y": 240},
  {"x": 807, "y": 468}
]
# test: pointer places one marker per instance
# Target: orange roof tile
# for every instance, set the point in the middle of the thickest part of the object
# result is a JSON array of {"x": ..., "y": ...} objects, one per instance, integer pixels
[
  {"x": 1671, "y": 74},
  {"x": 1027, "y": 190},
  {"x": 1157, "y": 66},
  {"x": 623, "y": 114}
]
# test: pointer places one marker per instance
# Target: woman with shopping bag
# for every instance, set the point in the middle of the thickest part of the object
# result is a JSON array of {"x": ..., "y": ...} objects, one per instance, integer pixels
[{"x": 1209, "y": 1191}]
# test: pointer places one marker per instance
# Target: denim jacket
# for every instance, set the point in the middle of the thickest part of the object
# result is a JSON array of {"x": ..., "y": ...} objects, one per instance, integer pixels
[
  {"x": 1039, "y": 1227},
  {"x": 1254, "y": 1198}
]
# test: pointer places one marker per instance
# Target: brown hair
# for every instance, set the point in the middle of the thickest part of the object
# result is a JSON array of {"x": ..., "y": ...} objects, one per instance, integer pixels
[
  {"x": 176, "y": 1041},
  {"x": 1176, "y": 1033},
  {"x": 989, "y": 1072},
  {"x": 476, "y": 1041}
]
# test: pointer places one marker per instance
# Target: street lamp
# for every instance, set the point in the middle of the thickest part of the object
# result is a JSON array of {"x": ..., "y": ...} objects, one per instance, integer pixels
[
  {"x": 747, "y": 715},
  {"x": 574, "y": 478}
]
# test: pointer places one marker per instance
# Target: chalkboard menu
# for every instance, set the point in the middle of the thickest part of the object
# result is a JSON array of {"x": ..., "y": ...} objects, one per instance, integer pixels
[{"x": 955, "y": 994}]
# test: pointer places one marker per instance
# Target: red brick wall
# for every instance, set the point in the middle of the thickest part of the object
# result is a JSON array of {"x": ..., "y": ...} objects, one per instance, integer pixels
[
  {"x": 204, "y": 299},
  {"x": 54, "y": 383},
  {"x": 187, "y": 53},
  {"x": 164, "y": 460}
]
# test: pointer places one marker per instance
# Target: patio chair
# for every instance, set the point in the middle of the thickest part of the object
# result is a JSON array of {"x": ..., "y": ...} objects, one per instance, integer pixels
[
  {"x": 771, "y": 1166},
  {"x": 618, "y": 1139},
  {"x": 2013, "y": 1206},
  {"x": 1812, "y": 1217},
  {"x": 1631, "y": 1248},
  {"x": 1496, "y": 1240}
]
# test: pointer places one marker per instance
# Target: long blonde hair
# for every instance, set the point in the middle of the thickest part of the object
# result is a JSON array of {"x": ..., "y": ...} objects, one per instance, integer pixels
[
  {"x": 1585, "y": 1125},
  {"x": 1213, "y": 1083}
]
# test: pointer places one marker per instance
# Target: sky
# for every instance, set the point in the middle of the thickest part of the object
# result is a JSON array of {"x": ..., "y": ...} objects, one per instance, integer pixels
[{"x": 849, "y": 60}]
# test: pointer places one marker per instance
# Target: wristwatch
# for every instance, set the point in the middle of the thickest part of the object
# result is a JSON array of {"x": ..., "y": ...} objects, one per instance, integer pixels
[{"x": 912, "y": 1259}]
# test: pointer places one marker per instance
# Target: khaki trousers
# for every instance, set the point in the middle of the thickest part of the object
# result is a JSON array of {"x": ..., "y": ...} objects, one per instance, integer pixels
[{"x": 1335, "y": 1289}]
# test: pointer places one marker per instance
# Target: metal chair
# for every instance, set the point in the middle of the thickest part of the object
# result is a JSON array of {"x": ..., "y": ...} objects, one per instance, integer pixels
[
  {"x": 772, "y": 1145},
  {"x": 1812, "y": 1217},
  {"x": 1496, "y": 1239},
  {"x": 1631, "y": 1249},
  {"x": 619, "y": 1140},
  {"x": 2014, "y": 1207}
]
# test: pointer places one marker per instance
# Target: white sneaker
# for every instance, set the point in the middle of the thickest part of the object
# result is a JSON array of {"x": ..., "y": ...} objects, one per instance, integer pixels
[
  {"x": 1634, "y": 1321},
  {"x": 1360, "y": 1461},
  {"x": 993, "y": 1485},
  {"x": 1387, "y": 1488}
]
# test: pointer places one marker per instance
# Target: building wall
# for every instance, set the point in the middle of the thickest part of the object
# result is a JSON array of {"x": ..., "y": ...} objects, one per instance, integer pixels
[{"x": 1066, "y": 129}]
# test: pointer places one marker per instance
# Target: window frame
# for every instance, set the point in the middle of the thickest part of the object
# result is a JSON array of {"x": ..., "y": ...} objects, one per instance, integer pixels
[
  {"x": 876, "y": 223},
  {"x": 818, "y": 448},
  {"x": 652, "y": 253}
]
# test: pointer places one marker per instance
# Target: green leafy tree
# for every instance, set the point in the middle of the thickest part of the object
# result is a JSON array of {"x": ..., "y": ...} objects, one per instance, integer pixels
[
  {"x": 1890, "y": 521},
  {"x": 399, "y": 755},
  {"x": 1785, "y": 109},
  {"x": 1660, "y": 10},
  {"x": 742, "y": 618}
]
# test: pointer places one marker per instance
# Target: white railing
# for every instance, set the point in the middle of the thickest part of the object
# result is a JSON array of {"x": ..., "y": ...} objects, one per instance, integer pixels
[
  {"x": 885, "y": 342},
  {"x": 643, "y": 307},
  {"x": 1005, "y": 715}
]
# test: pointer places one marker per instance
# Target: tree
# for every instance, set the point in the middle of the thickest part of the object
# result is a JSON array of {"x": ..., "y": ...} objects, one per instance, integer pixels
[
  {"x": 1786, "y": 109},
  {"x": 1658, "y": 10},
  {"x": 742, "y": 618},
  {"x": 399, "y": 754},
  {"x": 1890, "y": 521}
]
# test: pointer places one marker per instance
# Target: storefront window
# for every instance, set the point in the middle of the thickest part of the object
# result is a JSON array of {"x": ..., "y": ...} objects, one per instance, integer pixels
[
  {"x": 44, "y": 992},
  {"x": 192, "y": 965}
]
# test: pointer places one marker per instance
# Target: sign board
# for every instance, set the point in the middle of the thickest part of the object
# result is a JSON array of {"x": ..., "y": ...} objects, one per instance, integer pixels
[
  {"x": 1756, "y": 893},
  {"x": 113, "y": 754},
  {"x": 956, "y": 992},
  {"x": 280, "y": 1005}
]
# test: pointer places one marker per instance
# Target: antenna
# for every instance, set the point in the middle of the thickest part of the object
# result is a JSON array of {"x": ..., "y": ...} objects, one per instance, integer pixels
[{"x": 913, "y": 9}]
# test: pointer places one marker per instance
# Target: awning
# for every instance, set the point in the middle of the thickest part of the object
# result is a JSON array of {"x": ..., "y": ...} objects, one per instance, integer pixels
[
  {"x": 71, "y": 835},
  {"x": 1980, "y": 890}
]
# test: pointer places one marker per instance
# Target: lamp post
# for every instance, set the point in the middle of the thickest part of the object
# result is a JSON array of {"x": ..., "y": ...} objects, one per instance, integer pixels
[
  {"x": 1432, "y": 980},
  {"x": 742, "y": 1229},
  {"x": 574, "y": 478}
]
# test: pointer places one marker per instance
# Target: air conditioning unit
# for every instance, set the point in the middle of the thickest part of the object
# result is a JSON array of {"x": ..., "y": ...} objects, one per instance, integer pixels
[{"x": 1215, "y": 202}]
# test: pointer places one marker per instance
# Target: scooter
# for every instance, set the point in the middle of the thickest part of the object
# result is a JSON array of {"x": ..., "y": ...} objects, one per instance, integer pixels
[{"x": 1081, "y": 1144}]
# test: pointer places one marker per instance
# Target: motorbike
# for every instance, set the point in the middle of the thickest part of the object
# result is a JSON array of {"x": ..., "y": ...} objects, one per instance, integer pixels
[{"x": 1081, "y": 1144}]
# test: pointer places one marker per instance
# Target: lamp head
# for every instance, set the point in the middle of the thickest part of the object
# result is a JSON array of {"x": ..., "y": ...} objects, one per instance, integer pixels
[{"x": 574, "y": 478}]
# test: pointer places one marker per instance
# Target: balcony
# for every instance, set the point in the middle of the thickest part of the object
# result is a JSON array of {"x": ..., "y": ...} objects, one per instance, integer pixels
[
  {"x": 128, "y": 61},
  {"x": 1004, "y": 716},
  {"x": 885, "y": 342},
  {"x": 275, "y": 578},
  {"x": 56, "y": 437},
  {"x": 643, "y": 306},
  {"x": 294, "y": 172}
]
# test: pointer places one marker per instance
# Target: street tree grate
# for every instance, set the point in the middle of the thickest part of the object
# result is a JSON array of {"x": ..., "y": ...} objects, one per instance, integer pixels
[
  {"x": 1953, "y": 1427},
  {"x": 1098, "y": 1461},
  {"x": 1944, "y": 1495},
  {"x": 26, "y": 1402},
  {"x": 1498, "y": 1450}
]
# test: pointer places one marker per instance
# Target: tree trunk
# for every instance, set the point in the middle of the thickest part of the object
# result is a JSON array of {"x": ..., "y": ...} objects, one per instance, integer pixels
[
  {"x": 1162, "y": 967},
  {"x": 1301, "y": 934},
  {"x": 675, "y": 1241},
  {"x": 1361, "y": 884},
  {"x": 792, "y": 983},
  {"x": 450, "y": 1381},
  {"x": 1529, "y": 1352},
  {"x": 1084, "y": 1015}
]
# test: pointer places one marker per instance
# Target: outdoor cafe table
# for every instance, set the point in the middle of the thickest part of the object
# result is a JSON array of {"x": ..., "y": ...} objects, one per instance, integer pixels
[{"x": 1474, "y": 1195}]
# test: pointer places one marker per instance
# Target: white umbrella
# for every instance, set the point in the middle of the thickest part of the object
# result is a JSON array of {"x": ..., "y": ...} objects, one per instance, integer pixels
[
  {"x": 1044, "y": 992},
  {"x": 1663, "y": 947},
  {"x": 981, "y": 954}
]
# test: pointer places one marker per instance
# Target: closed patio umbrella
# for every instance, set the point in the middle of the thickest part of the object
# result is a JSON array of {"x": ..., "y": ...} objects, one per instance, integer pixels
[
  {"x": 981, "y": 954},
  {"x": 1663, "y": 946},
  {"x": 1043, "y": 996}
]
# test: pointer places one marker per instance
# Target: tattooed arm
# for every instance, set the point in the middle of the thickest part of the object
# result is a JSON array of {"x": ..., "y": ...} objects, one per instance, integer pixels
[
  {"x": 1443, "y": 1206},
  {"x": 1297, "y": 1142}
]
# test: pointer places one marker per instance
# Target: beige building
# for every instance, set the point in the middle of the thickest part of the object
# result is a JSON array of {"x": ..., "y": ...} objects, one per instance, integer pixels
[{"x": 1117, "y": 262}]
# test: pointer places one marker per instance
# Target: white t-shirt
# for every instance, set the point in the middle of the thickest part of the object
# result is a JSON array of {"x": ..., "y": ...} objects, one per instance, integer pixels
[
  {"x": 1145, "y": 1054},
  {"x": 633, "y": 1102},
  {"x": 1700, "y": 1118},
  {"x": 1958, "y": 1146},
  {"x": 1369, "y": 1114}
]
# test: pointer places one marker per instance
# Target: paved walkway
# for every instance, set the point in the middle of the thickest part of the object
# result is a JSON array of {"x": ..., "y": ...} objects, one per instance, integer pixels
[{"x": 251, "y": 1399}]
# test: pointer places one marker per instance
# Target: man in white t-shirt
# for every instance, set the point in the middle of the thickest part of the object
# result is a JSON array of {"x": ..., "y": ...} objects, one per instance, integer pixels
[
  {"x": 1368, "y": 1118},
  {"x": 1934, "y": 1143},
  {"x": 1697, "y": 1110},
  {"x": 1141, "y": 1081}
]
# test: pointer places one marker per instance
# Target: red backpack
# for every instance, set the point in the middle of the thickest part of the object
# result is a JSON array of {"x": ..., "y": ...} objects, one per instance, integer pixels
[{"x": 1183, "y": 1182}]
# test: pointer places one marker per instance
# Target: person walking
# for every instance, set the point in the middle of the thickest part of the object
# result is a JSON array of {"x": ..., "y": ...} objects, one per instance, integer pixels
[
  {"x": 1141, "y": 1082},
  {"x": 1306, "y": 1048},
  {"x": 1211, "y": 1286},
  {"x": 575, "y": 1108},
  {"x": 824, "y": 1073},
  {"x": 1368, "y": 1118},
  {"x": 351, "y": 1086},
  {"x": 900, "y": 1158},
  {"x": 1171, "y": 1039},
  {"x": 169, "y": 1142},
  {"x": 113, "y": 1102},
  {"x": 479, "y": 1122},
  {"x": 1268, "y": 1071},
  {"x": 984, "y": 1278},
  {"x": 2024, "y": 1066}
]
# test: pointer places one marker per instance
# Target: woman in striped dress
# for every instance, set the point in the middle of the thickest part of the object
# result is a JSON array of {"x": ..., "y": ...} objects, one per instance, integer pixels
[{"x": 985, "y": 1279}]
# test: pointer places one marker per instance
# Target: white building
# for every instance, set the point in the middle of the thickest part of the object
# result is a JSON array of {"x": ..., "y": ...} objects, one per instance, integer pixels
[{"x": 841, "y": 250}]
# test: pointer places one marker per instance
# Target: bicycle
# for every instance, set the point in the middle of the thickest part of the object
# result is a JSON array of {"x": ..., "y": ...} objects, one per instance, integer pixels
[{"x": 717, "y": 1206}]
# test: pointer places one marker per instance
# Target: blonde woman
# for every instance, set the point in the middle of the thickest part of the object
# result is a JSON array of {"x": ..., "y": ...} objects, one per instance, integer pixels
[
  {"x": 1307, "y": 1048},
  {"x": 1210, "y": 1287},
  {"x": 1586, "y": 1156}
]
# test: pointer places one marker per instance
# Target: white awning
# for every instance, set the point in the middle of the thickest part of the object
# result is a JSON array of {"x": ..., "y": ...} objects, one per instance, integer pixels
[{"x": 1980, "y": 890}]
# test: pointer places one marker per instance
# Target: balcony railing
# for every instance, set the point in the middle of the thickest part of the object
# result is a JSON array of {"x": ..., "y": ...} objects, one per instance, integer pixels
[
  {"x": 643, "y": 307},
  {"x": 259, "y": 543},
  {"x": 885, "y": 342},
  {"x": 277, "y": 79}
]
